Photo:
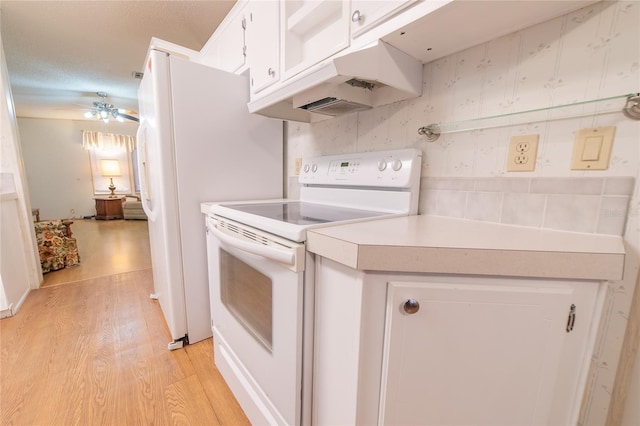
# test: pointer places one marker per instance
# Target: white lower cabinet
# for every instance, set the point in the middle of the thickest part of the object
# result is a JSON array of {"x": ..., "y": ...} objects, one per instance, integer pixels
[{"x": 407, "y": 349}]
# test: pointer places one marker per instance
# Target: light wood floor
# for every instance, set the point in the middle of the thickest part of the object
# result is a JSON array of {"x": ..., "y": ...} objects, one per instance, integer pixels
[
  {"x": 106, "y": 247},
  {"x": 94, "y": 352}
]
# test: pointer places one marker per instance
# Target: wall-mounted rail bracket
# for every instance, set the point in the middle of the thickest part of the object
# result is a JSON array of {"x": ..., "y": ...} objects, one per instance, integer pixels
[
  {"x": 431, "y": 132},
  {"x": 632, "y": 107},
  {"x": 631, "y": 110}
]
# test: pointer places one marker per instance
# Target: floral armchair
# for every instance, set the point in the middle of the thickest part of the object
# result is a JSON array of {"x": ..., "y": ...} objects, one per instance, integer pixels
[{"x": 56, "y": 245}]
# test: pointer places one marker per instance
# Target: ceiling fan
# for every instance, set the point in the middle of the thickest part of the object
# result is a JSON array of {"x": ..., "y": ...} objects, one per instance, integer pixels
[{"x": 104, "y": 110}]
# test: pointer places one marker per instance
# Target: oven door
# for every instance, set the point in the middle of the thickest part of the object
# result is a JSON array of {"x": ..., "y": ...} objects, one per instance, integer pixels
[{"x": 257, "y": 319}]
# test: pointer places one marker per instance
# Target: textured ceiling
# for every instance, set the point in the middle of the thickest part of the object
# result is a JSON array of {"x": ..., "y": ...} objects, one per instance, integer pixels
[{"x": 60, "y": 53}]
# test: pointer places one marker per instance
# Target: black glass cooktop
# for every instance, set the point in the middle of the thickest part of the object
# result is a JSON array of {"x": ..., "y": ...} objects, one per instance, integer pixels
[{"x": 301, "y": 213}]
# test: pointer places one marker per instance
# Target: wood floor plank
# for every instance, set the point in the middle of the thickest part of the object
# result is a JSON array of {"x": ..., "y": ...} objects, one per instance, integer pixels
[
  {"x": 141, "y": 381},
  {"x": 188, "y": 405},
  {"x": 227, "y": 409}
]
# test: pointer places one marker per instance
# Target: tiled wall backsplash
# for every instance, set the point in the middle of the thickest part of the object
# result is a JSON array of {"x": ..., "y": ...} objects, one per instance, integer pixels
[{"x": 592, "y": 205}]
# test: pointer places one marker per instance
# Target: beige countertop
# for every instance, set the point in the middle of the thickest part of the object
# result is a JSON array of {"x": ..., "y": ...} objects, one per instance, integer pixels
[{"x": 433, "y": 244}]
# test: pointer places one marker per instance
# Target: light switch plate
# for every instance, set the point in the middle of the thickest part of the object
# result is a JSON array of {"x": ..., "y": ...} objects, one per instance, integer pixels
[
  {"x": 523, "y": 151},
  {"x": 298, "y": 166},
  {"x": 592, "y": 148}
]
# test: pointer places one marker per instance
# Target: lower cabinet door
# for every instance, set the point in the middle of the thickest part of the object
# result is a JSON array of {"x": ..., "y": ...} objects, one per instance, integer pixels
[{"x": 484, "y": 353}]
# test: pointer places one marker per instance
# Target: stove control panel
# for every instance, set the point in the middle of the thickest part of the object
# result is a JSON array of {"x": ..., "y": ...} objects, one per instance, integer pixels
[{"x": 397, "y": 169}]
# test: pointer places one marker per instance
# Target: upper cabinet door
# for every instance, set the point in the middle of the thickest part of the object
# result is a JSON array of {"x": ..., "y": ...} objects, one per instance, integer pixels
[
  {"x": 263, "y": 43},
  {"x": 225, "y": 49},
  {"x": 312, "y": 30},
  {"x": 365, "y": 14},
  {"x": 231, "y": 44}
]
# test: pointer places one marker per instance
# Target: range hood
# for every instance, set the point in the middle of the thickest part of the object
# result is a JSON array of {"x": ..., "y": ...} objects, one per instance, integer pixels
[{"x": 375, "y": 75}]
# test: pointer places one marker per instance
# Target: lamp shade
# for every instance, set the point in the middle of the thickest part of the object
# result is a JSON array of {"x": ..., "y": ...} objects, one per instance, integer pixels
[{"x": 110, "y": 168}]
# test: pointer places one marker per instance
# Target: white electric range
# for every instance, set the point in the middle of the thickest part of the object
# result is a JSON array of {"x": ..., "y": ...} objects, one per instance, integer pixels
[{"x": 261, "y": 278}]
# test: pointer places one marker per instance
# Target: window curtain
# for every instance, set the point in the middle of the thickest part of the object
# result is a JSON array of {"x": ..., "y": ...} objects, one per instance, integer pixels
[{"x": 108, "y": 141}]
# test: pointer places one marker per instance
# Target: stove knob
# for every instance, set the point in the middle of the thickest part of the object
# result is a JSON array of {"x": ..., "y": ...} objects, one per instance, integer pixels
[
  {"x": 306, "y": 168},
  {"x": 314, "y": 168},
  {"x": 397, "y": 165},
  {"x": 382, "y": 165}
]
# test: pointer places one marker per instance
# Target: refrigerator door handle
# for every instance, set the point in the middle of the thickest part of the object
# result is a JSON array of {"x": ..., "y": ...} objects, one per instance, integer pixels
[{"x": 141, "y": 137}]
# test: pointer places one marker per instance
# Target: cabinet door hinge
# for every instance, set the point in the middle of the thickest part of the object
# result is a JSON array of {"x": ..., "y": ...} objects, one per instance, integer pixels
[{"x": 571, "y": 320}]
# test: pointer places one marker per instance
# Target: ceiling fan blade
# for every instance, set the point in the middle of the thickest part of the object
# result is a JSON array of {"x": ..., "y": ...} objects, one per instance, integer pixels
[{"x": 129, "y": 117}]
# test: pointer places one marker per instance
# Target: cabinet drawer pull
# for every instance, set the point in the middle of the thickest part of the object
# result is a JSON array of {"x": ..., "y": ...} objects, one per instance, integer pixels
[
  {"x": 411, "y": 306},
  {"x": 357, "y": 16}
]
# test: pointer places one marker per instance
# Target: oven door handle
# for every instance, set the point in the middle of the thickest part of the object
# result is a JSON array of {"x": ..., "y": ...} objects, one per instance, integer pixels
[{"x": 287, "y": 257}]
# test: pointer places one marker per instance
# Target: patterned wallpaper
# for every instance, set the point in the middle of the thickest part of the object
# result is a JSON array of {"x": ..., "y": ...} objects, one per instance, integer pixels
[{"x": 589, "y": 54}]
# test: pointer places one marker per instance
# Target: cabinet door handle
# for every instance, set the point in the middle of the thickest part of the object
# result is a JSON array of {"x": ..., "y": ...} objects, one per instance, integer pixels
[
  {"x": 411, "y": 306},
  {"x": 271, "y": 72},
  {"x": 571, "y": 320},
  {"x": 357, "y": 16}
]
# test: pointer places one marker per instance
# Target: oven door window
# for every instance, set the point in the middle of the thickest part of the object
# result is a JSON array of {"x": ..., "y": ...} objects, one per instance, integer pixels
[{"x": 247, "y": 294}]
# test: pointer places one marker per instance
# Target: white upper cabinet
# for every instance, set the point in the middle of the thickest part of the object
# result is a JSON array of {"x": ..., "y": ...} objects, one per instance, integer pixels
[
  {"x": 226, "y": 49},
  {"x": 289, "y": 44},
  {"x": 311, "y": 31},
  {"x": 365, "y": 14},
  {"x": 263, "y": 43},
  {"x": 232, "y": 45}
]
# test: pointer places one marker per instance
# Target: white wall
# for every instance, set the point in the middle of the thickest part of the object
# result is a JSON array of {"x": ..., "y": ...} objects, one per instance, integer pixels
[
  {"x": 58, "y": 167},
  {"x": 19, "y": 262},
  {"x": 588, "y": 54}
]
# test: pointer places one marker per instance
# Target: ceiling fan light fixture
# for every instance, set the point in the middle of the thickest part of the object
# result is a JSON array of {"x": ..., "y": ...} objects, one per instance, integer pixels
[{"x": 102, "y": 110}]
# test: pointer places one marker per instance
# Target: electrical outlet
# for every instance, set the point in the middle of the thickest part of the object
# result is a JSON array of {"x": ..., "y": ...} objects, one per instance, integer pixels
[
  {"x": 523, "y": 151},
  {"x": 521, "y": 159}
]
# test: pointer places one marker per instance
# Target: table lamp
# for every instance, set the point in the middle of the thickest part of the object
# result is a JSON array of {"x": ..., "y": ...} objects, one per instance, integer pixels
[{"x": 110, "y": 169}]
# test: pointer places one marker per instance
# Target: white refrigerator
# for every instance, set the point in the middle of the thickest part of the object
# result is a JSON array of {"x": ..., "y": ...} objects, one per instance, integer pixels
[{"x": 197, "y": 143}]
